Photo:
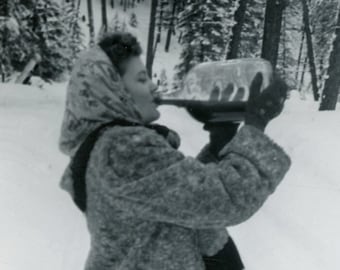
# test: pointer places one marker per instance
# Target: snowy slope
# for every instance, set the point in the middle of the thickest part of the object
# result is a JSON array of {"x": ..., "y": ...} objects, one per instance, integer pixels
[
  {"x": 38, "y": 229},
  {"x": 298, "y": 226},
  {"x": 41, "y": 229}
]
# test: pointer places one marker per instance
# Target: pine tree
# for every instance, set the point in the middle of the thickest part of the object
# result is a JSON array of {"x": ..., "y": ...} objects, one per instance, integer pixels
[
  {"x": 323, "y": 20},
  {"x": 252, "y": 30},
  {"x": 286, "y": 62},
  {"x": 44, "y": 29},
  {"x": 71, "y": 19},
  {"x": 234, "y": 45},
  {"x": 8, "y": 33},
  {"x": 206, "y": 29},
  {"x": 91, "y": 22}
]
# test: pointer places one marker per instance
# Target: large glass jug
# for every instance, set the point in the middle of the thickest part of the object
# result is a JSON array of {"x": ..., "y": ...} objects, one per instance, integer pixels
[{"x": 218, "y": 91}]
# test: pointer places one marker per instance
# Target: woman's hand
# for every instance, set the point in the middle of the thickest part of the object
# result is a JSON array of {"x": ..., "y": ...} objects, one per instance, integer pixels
[
  {"x": 220, "y": 133},
  {"x": 266, "y": 105}
]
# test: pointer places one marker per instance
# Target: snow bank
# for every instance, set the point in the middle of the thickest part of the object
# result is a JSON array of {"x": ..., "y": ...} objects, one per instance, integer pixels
[
  {"x": 298, "y": 226},
  {"x": 38, "y": 228}
]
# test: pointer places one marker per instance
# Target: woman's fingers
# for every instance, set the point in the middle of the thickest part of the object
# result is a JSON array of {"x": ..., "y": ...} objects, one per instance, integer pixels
[
  {"x": 255, "y": 86},
  {"x": 240, "y": 94},
  {"x": 214, "y": 95},
  {"x": 227, "y": 92}
]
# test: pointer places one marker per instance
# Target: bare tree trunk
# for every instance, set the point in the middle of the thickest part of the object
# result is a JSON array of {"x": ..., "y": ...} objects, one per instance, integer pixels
[
  {"x": 154, "y": 50},
  {"x": 4, "y": 8},
  {"x": 171, "y": 26},
  {"x": 300, "y": 55},
  {"x": 331, "y": 90},
  {"x": 272, "y": 30},
  {"x": 76, "y": 10},
  {"x": 28, "y": 68},
  {"x": 284, "y": 49},
  {"x": 159, "y": 26},
  {"x": 180, "y": 37},
  {"x": 112, "y": 3},
  {"x": 321, "y": 73},
  {"x": 91, "y": 25},
  {"x": 4, "y": 12},
  {"x": 237, "y": 30},
  {"x": 73, "y": 4},
  {"x": 78, "y": 5},
  {"x": 303, "y": 73},
  {"x": 310, "y": 49},
  {"x": 104, "y": 16},
  {"x": 151, "y": 37}
]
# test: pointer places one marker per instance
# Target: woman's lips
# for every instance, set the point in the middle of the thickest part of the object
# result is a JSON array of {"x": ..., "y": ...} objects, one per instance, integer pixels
[{"x": 155, "y": 99}]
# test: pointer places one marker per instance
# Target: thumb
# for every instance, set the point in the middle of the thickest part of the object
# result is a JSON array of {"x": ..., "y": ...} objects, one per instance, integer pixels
[
  {"x": 214, "y": 94},
  {"x": 227, "y": 92},
  {"x": 279, "y": 88},
  {"x": 283, "y": 88}
]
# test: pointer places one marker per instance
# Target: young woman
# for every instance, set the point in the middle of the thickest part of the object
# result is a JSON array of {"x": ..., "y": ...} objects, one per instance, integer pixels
[{"x": 147, "y": 205}]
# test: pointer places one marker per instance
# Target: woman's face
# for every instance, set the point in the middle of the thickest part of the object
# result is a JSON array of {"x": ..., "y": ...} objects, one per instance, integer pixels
[{"x": 141, "y": 88}]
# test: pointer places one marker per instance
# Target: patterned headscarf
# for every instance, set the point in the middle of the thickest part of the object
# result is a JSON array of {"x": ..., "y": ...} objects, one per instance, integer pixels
[{"x": 95, "y": 96}]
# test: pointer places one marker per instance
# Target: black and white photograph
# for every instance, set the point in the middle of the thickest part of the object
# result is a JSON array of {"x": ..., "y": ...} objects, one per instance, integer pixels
[{"x": 169, "y": 134}]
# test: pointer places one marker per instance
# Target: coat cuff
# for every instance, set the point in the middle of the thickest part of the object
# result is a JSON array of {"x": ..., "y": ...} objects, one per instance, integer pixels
[
  {"x": 205, "y": 156},
  {"x": 252, "y": 143}
]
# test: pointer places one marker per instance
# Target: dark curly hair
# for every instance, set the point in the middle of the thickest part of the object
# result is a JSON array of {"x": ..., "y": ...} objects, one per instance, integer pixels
[{"x": 119, "y": 47}]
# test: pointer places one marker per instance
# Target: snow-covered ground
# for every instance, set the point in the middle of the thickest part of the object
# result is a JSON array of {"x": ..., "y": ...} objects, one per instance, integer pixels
[{"x": 40, "y": 228}]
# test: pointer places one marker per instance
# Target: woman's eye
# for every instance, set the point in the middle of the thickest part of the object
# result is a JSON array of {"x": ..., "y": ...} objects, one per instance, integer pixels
[{"x": 142, "y": 80}]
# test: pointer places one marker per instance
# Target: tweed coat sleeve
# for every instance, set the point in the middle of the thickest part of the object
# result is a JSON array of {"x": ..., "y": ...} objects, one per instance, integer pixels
[{"x": 141, "y": 176}]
